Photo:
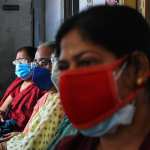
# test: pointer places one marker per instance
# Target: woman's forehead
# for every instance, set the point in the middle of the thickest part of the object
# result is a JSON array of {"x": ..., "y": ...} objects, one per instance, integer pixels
[
  {"x": 22, "y": 55},
  {"x": 72, "y": 44},
  {"x": 71, "y": 39}
]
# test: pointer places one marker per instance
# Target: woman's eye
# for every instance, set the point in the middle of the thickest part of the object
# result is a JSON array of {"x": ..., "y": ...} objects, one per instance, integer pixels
[
  {"x": 89, "y": 62},
  {"x": 63, "y": 66}
]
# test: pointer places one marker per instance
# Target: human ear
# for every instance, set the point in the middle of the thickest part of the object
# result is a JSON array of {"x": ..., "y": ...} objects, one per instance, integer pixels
[
  {"x": 141, "y": 64},
  {"x": 134, "y": 73}
]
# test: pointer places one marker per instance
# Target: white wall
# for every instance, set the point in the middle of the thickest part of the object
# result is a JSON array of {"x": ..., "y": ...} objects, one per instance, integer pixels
[
  {"x": 84, "y": 4},
  {"x": 99, "y": 2},
  {"x": 54, "y": 17}
]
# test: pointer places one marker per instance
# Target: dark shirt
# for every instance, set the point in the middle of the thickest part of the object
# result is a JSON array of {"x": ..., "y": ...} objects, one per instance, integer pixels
[{"x": 80, "y": 142}]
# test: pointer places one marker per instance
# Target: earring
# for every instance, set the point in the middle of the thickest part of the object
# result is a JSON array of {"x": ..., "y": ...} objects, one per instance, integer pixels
[{"x": 140, "y": 81}]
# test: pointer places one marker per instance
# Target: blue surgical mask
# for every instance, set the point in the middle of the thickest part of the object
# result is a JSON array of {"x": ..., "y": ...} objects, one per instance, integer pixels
[
  {"x": 42, "y": 78},
  {"x": 24, "y": 71},
  {"x": 123, "y": 117}
]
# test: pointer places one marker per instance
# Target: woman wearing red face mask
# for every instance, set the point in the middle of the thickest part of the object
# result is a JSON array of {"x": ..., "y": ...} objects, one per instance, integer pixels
[{"x": 104, "y": 64}]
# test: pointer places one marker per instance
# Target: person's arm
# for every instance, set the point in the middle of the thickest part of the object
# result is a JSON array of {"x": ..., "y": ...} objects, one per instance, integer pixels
[
  {"x": 3, "y": 146},
  {"x": 6, "y": 103},
  {"x": 8, "y": 136},
  {"x": 4, "y": 106}
]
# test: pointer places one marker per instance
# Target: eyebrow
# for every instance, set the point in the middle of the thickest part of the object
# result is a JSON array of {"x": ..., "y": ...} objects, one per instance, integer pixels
[{"x": 77, "y": 57}]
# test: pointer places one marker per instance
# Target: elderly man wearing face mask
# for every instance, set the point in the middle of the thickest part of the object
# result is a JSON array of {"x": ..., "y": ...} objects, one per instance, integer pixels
[{"x": 42, "y": 71}]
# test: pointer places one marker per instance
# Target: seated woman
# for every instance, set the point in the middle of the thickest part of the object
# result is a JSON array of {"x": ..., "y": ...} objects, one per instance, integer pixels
[
  {"x": 104, "y": 64},
  {"x": 18, "y": 102}
]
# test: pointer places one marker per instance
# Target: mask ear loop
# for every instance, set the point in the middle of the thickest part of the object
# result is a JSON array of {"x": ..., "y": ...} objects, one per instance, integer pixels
[
  {"x": 132, "y": 95},
  {"x": 118, "y": 74},
  {"x": 33, "y": 65}
]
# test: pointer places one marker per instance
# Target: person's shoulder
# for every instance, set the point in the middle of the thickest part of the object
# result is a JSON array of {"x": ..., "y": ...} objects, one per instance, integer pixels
[
  {"x": 53, "y": 96},
  {"x": 17, "y": 80}
]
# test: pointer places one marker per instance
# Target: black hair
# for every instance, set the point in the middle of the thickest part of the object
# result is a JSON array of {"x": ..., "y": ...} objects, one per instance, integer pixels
[
  {"x": 29, "y": 50},
  {"x": 119, "y": 29}
]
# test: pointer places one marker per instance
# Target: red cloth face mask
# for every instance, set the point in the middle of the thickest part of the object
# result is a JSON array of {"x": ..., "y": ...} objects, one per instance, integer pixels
[{"x": 90, "y": 95}]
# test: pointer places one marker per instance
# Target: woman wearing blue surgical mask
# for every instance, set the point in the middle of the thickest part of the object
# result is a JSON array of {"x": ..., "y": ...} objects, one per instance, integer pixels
[
  {"x": 19, "y": 99},
  {"x": 104, "y": 79}
]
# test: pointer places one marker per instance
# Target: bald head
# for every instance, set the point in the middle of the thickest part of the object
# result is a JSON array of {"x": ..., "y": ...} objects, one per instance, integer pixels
[{"x": 43, "y": 52}]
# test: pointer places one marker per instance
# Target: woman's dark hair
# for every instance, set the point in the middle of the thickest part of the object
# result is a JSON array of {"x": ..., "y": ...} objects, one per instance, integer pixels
[
  {"x": 120, "y": 29},
  {"x": 29, "y": 50}
]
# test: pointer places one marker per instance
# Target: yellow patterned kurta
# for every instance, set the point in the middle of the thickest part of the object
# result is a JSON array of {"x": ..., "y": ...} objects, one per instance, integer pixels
[{"x": 41, "y": 127}]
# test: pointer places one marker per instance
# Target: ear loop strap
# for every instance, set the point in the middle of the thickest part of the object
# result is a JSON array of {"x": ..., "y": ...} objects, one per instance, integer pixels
[
  {"x": 132, "y": 95},
  {"x": 118, "y": 74}
]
